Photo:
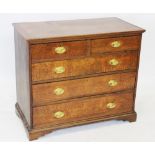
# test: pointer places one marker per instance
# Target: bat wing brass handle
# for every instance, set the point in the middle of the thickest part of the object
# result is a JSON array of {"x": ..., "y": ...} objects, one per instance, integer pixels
[
  {"x": 59, "y": 114},
  {"x": 60, "y": 50},
  {"x": 58, "y": 91},
  {"x": 113, "y": 62},
  {"x": 116, "y": 44},
  {"x": 112, "y": 83},
  {"x": 111, "y": 105},
  {"x": 59, "y": 70}
]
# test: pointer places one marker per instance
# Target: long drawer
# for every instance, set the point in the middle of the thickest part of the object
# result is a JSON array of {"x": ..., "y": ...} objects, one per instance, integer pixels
[
  {"x": 55, "y": 91},
  {"x": 80, "y": 109},
  {"x": 82, "y": 67}
]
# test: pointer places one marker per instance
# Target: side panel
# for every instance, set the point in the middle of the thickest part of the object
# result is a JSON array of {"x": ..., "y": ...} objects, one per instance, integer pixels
[{"x": 22, "y": 76}]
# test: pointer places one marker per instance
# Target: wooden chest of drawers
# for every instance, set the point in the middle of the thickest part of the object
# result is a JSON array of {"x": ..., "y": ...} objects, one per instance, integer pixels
[{"x": 75, "y": 72}]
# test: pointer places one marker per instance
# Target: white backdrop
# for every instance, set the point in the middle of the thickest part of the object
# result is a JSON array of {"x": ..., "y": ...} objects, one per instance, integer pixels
[{"x": 11, "y": 128}]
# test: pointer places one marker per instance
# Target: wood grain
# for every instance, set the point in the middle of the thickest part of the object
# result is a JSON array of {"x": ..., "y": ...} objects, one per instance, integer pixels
[
  {"x": 43, "y": 94},
  {"x": 104, "y": 45},
  {"x": 80, "y": 109},
  {"x": 79, "y": 67},
  {"x": 52, "y": 31},
  {"x": 46, "y": 52},
  {"x": 35, "y": 133}
]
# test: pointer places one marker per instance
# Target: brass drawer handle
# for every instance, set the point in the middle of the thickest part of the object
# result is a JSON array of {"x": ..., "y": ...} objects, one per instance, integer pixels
[
  {"x": 59, "y": 114},
  {"x": 116, "y": 44},
  {"x": 113, "y": 62},
  {"x": 60, "y": 50},
  {"x": 59, "y": 69},
  {"x": 111, "y": 105},
  {"x": 58, "y": 91},
  {"x": 113, "y": 83}
]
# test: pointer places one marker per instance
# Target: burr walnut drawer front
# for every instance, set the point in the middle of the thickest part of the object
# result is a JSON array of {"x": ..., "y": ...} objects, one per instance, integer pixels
[
  {"x": 85, "y": 108},
  {"x": 115, "y": 44},
  {"x": 82, "y": 67},
  {"x": 56, "y": 51},
  {"x": 47, "y": 92}
]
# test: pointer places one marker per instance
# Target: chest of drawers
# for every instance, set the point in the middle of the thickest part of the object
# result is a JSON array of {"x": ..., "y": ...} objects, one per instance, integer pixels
[{"x": 75, "y": 72}]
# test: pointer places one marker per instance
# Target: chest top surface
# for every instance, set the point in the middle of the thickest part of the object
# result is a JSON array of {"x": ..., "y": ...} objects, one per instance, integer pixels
[{"x": 75, "y": 29}]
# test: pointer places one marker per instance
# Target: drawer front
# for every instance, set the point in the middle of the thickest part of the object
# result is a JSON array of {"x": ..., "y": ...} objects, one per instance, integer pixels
[
  {"x": 57, "y": 51},
  {"x": 82, "y": 67},
  {"x": 82, "y": 109},
  {"x": 115, "y": 44},
  {"x": 45, "y": 93}
]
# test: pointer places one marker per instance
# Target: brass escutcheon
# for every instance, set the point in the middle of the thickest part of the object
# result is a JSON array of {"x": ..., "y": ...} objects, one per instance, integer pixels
[
  {"x": 59, "y": 114},
  {"x": 59, "y": 91},
  {"x": 116, "y": 44},
  {"x": 112, "y": 83},
  {"x": 60, "y": 50},
  {"x": 113, "y": 62},
  {"x": 111, "y": 105},
  {"x": 59, "y": 69}
]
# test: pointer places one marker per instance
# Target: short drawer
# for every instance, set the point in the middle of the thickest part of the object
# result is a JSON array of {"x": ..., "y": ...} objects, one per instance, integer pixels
[
  {"x": 58, "y": 51},
  {"x": 85, "y": 108},
  {"x": 115, "y": 44},
  {"x": 55, "y": 91},
  {"x": 83, "y": 67}
]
